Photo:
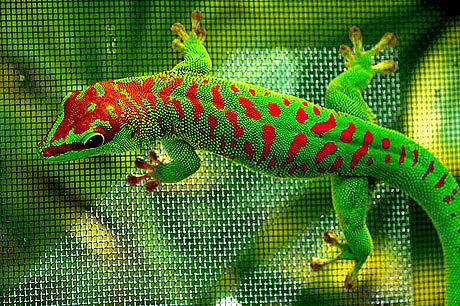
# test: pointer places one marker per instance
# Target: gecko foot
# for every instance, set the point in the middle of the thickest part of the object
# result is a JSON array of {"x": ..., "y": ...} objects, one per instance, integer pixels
[
  {"x": 363, "y": 59},
  {"x": 197, "y": 33},
  {"x": 142, "y": 164},
  {"x": 346, "y": 254}
]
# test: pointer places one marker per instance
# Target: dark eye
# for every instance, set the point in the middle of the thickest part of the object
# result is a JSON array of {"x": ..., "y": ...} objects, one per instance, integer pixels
[{"x": 94, "y": 141}]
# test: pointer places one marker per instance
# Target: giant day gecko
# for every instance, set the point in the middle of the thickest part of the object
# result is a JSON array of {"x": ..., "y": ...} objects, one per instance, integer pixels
[{"x": 270, "y": 133}]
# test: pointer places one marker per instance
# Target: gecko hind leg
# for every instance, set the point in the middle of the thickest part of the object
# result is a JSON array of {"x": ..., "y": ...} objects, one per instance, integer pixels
[
  {"x": 351, "y": 201},
  {"x": 190, "y": 44}
]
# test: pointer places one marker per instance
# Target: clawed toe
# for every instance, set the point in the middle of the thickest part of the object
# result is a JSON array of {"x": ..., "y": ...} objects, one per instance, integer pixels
[
  {"x": 363, "y": 59},
  {"x": 142, "y": 164},
  {"x": 197, "y": 32}
]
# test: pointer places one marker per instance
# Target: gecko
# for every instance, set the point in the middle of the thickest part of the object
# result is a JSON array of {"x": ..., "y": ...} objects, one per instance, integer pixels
[{"x": 274, "y": 134}]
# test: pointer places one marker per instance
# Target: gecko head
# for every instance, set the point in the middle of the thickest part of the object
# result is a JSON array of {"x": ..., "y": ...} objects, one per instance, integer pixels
[{"x": 90, "y": 123}]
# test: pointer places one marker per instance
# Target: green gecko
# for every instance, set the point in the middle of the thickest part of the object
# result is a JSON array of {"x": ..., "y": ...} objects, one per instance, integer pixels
[{"x": 270, "y": 133}]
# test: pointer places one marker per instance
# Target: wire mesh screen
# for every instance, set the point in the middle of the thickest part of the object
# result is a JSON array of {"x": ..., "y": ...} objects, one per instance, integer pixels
[{"x": 75, "y": 233}]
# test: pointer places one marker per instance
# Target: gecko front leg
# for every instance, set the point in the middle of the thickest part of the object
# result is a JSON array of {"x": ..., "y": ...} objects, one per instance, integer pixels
[{"x": 185, "y": 161}]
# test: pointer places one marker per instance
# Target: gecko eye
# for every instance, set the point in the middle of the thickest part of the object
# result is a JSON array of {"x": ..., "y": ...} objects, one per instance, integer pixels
[{"x": 94, "y": 140}]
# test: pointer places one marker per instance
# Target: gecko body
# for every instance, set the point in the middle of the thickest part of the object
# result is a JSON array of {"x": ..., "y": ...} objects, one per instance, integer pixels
[{"x": 270, "y": 133}]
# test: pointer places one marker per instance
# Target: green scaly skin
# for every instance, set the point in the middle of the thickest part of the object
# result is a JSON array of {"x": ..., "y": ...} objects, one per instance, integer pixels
[{"x": 274, "y": 134}]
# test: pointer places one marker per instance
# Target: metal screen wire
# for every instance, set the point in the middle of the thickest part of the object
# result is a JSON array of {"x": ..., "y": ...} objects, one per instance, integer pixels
[{"x": 77, "y": 234}]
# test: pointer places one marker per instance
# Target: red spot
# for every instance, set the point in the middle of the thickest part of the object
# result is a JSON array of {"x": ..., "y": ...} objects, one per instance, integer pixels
[
  {"x": 316, "y": 110},
  {"x": 305, "y": 103},
  {"x": 212, "y": 122},
  {"x": 322, "y": 127},
  {"x": 453, "y": 216},
  {"x": 385, "y": 143},
  {"x": 301, "y": 115},
  {"x": 387, "y": 158},
  {"x": 454, "y": 191},
  {"x": 415, "y": 157},
  {"x": 303, "y": 167},
  {"x": 196, "y": 104},
  {"x": 292, "y": 169},
  {"x": 320, "y": 170},
  {"x": 251, "y": 111},
  {"x": 217, "y": 98},
  {"x": 403, "y": 154},
  {"x": 248, "y": 149},
  {"x": 337, "y": 163},
  {"x": 299, "y": 141},
  {"x": 273, "y": 109},
  {"x": 234, "y": 89},
  {"x": 266, "y": 93},
  {"x": 272, "y": 162},
  {"x": 441, "y": 181},
  {"x": 367, "y": 140},
  {"x": 328, "y": 149},
  {"x": 205, "y": 81},
  {"x": 232, "y": 143},
  {"x": 232, "y": 117},
  {"x": 222, "y": 142},
  {"x": 175, "y": 82},
  {"x": 370, "y": 161},
  {"x": 448, "y": 199},
  {"x": 347, "y": 134},
  {"x": 268, "y": 136},
  {"x": 286, "y": 102},
  {"x": 163, "y": 78},
  {"x": 430, "y": 169},
  {"x": 252, "y": 92}
]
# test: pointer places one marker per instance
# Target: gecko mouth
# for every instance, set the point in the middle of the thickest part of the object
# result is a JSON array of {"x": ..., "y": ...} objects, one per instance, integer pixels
[{"x": 54, "y": 151}]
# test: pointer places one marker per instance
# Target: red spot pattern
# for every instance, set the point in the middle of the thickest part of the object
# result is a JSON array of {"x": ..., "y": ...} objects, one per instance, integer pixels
[
  {"x": 430, "y": 169},
  {"x": 387, "y": 158},
  {"x": 272, "y": 162},
  {"x": 301, "y": 115},
  {"x": 292, "y": 169},
  {"x": 347, "y": 134},
  {"x": 251, "y": 111},
  {"x": 322, "y": 127},
  {"x": 303, "y": 167},
  {"x": 415, "y": 157},
  {"x": 217, "y": 98},
  {"x": 367, "y": 140},
  {"x": 273, "y": 109},
  {"x": 252, "y": 92},
  {"x": 299, "y": 141},
  {"x": 441, "y": 181},
  {"x": 212, "y": 123},
  {"x": 266, "y": 93},
  {"x": 337, "y": 163},
  {"x": 232, "y": 117},
  {"x": 328, "y": 149},
  {"x": 403, "y": 155},
  {"x": 175, "y": 82},
  {"x": 316, "y": 110},
  {"x": 234, "y": 89},
  {"x": 286, "y": 102},
  {"x": 385, "y": 143},
  {"x": 370, "y": 161},
  {"x": 248, "y": 149},
  {"x": 268, "y": 136},
  {"x": 196, "y": 104}
]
